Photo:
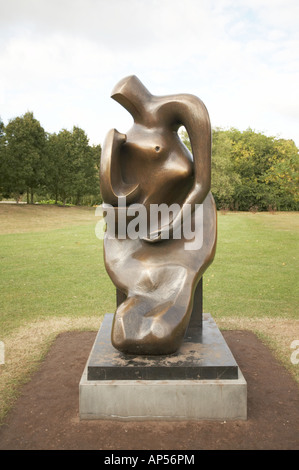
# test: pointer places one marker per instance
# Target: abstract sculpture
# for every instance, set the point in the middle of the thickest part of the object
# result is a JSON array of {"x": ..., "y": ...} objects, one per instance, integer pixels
[{"x": 149, "y": 167}]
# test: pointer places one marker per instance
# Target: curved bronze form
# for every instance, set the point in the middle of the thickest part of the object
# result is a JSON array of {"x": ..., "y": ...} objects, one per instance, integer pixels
[{"x": 150, "y": 165}]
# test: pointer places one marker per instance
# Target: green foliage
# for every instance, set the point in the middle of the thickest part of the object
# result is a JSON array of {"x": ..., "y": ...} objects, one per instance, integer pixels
[
  {"x": 73, "y": 171},
  {"x": 251, "y": 171},
  {"x": 22, "y": 159},
  {"x": 52, "y": 202},
  {"x": 2, "y": 157},
  {"x": 225, "y": 178},
  {"x": 62, "y": 167}
]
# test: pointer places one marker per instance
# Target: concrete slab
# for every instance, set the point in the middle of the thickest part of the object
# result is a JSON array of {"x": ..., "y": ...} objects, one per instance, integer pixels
[{"x": 163, "y": 400}]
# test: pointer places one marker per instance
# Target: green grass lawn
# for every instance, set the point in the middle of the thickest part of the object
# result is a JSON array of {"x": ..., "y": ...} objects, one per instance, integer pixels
[
  {"x": 255, "y": 270},
  {"x": 48, "y": 271},
  {"x": 54, "y": 272},
  {"x": 53, "y": 279}
]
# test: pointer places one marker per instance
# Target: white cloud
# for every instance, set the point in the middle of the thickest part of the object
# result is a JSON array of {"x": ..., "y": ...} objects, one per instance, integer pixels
[{"x": 61, "y": 58}]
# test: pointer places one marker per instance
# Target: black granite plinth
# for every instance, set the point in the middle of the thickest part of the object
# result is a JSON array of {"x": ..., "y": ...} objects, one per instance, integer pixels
[{"x": 203, "y": 355}]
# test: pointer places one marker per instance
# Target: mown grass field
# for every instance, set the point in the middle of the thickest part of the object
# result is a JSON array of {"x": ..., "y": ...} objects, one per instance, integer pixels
[
  {"x": 51, "y": 265},
  {"x": 53, "y": 279},
  {"x": 255, "y": 271}
]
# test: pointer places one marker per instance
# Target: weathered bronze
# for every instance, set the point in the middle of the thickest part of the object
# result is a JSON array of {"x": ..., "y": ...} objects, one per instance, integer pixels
[{"x": 150, "y": 165}]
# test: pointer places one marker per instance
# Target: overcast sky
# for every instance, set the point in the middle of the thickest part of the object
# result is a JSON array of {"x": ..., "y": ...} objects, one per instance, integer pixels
[{"x": 61, "y": 59}]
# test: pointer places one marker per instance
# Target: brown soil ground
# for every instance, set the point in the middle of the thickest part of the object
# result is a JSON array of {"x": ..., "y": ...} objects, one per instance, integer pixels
[{"x": 46, "y": 414}]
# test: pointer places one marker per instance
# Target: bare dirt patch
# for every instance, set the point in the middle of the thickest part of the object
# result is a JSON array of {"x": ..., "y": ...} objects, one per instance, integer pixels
[{"x": 46, "y": 414}]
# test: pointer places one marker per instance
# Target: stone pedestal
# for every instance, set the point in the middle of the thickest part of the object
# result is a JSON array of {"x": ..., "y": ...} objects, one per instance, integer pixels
[{"x": 200, "y": 381}]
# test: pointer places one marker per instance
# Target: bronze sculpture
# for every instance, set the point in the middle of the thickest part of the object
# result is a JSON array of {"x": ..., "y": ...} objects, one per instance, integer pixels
[{"x": 158, "y": 271}]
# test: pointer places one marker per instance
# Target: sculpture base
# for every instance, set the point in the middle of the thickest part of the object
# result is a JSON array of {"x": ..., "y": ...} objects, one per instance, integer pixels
[
  {"x": 201, "y": 381},
  {"x": 204, "y": 354}
]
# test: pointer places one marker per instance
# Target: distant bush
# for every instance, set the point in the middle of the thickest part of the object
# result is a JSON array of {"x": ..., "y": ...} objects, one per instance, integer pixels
[{"x": 53, "y": 202}]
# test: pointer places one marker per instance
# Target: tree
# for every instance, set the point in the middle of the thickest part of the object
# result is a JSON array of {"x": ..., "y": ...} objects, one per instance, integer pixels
[
  {"x": 283, "y": 175},
  {"x": 267, "y": 167},
  {"x": 251, "y": 170},
  {"x": 73, "y": 166},
  {"x": 94, "y": 178},
  {"x": 224, "y": 177},
  {"x": 25, "y": 150},
  {"x": 2, "y": 158},
  {"x": 85, "y": 179},
  {"x": 55, "y": 174}
]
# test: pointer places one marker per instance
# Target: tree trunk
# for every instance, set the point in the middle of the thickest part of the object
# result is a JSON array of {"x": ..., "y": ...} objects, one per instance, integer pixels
[
  {"x": 27, "y": 195},
  {"x": 32, "y": 194}
]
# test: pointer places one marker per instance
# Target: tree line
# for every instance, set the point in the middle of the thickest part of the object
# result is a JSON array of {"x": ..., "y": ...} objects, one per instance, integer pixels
[
  {"x": 35, "y": 165},
  {"x": 250, "y": 171}
]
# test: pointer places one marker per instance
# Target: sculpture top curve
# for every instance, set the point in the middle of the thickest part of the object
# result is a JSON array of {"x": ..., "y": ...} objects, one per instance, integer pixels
[
  {"x": 149, "y": 165},
  {"x": 153, "y": 146}
]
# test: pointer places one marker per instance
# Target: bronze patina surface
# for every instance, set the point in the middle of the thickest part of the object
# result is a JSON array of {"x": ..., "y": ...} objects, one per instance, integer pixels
[{"x": 150, "y": 165}]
